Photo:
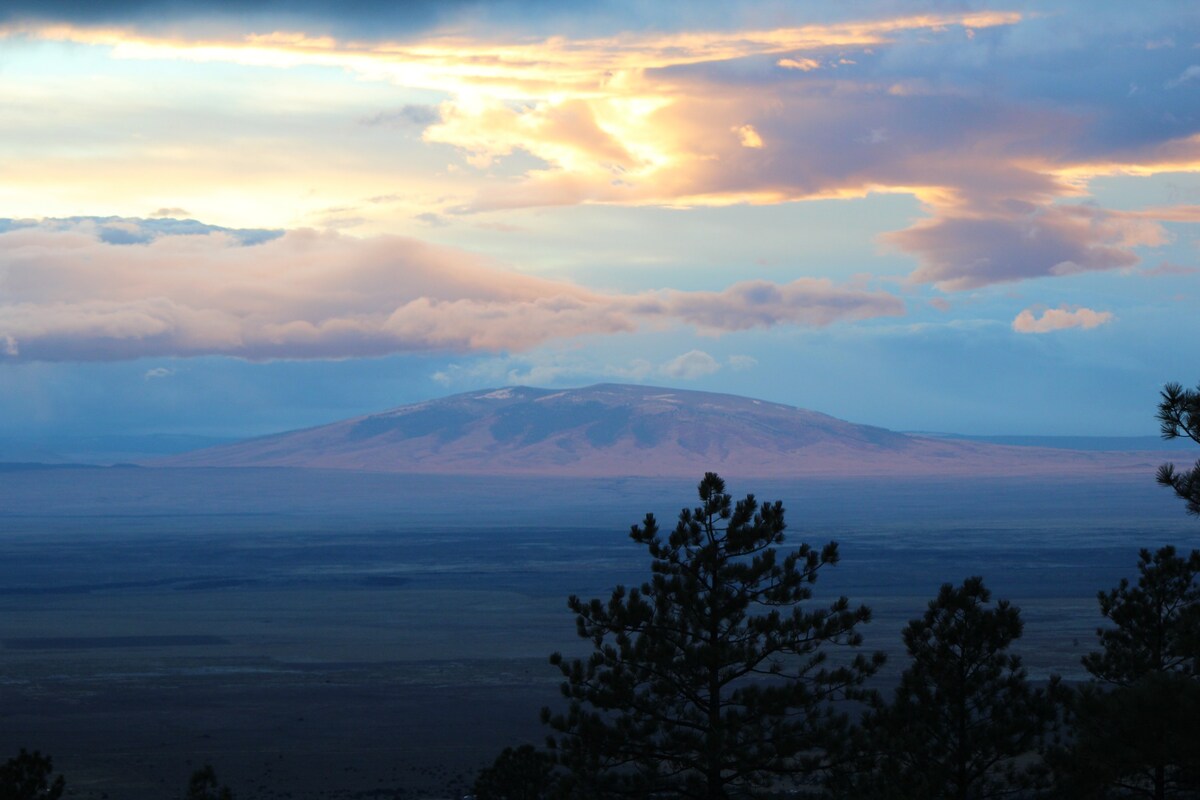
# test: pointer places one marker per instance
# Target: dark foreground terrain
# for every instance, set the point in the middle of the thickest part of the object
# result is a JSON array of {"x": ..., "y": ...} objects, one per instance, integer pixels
[{"x": 333, "y": 634}]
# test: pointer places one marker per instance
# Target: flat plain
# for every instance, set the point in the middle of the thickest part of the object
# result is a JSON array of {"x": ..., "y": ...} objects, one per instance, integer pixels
[{"x": 324, "y": 634}]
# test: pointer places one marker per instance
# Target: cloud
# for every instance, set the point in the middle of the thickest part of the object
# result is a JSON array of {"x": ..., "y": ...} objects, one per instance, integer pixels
[
  {"x": 125, "y": 231},
  {"x": 170, "y": 212},
  {"x": 958, "y": 253},
  {"x": 802, "y": 64},
  {"x": 748, "y": 136},
  {"x": 69, "y": 293},
  {"x": 901, "y": 104},
  {"x": 572, "y": 367},
  {"x": 558, "y": 367},
  {"x": 1168, "y": 269},
  {"x": 1057, "y": 319},
  {"x": 543, "y": 369},
  {"x": 417, "y": 116},
  {"x": 352, "y": 16},
  {"x": 761, "y": 304},
  {"x": 431, "y": 219},
  {"x": 691, "y": 365},
  {"x": 740, "y": 363},
  {"x": 71, "y": 296},
  {"x": 1189, "y": 74},
  {"x": 158, "y": 372}
]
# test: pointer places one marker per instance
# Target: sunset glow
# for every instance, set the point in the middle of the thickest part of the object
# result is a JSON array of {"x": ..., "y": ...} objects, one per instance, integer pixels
[{"x": 502, "y": 194}]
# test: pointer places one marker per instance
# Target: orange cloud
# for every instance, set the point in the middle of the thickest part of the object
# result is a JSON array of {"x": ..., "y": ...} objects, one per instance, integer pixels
[
  {"x": 646, "y": 118},
  {"x": 596, "y": 111}
]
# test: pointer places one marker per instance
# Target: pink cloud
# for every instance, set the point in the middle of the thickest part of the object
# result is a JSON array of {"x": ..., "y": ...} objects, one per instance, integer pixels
[
  {"x": 67, "y": 295},
  {"x": 958, "y": 253},
  {"x": 760, "y": 304},
  {"x": 1057, "y": 319}
]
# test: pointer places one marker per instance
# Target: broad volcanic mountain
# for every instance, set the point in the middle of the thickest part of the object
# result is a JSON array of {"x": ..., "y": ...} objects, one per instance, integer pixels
[{"x": 615, "y": 429}]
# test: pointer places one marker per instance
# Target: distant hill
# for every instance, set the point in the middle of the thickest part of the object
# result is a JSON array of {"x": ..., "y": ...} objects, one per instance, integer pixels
[
  {"x": 66, "y": 449},
  {"x": 622, "y": 430},
  {"x": 1113, "y": 444}
]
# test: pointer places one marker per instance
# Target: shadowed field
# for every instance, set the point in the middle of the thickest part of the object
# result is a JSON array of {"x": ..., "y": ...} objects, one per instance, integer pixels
[{"x": 356, "y": 635}]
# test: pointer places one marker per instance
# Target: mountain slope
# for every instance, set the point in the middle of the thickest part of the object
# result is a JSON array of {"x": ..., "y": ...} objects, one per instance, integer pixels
[{"x": 614, "y": 429}]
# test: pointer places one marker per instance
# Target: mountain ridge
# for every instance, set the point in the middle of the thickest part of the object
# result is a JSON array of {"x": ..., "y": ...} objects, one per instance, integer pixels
[{"x": 614, "y": 429}]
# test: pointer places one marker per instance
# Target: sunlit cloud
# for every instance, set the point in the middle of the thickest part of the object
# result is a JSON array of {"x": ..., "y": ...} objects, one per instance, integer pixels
[
  {"x": 748, "y": 136},
  {"x": 802, "y": 64},
  {"x": 603, "y": 115},
  {"x": 713, "y": 118},
  {"x": 546, "y": 69},
  {"x": 1057, "y": 319},
  {"x": 68, "y": 293},
  {"x": 1175, "y": 155}
]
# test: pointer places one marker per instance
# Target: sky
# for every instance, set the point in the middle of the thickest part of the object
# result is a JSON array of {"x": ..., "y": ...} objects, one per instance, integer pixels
[{"x": 226, "y": 218}]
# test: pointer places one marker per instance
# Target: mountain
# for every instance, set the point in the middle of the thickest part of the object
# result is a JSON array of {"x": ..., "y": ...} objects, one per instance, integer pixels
[{"x": 615, "y": 429}]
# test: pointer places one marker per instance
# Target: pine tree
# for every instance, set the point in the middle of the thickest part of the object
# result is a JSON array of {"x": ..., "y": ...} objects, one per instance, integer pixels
[
  {"x": 522, "y": 773},
  {"x": 26, "y": 776},
  {"x": 712, "y": 677},
  {"x": 1137, "y": 727},
  {"x": 1156, "y": 623},
  {"x": 203, "y": 785},
  {"x": 964, "y": 721},
  {"x": 1179, "y": 415}
]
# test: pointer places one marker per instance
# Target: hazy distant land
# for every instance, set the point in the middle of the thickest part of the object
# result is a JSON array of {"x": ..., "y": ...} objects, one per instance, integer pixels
[
  {"x": 626, "y": 430},
  {"x": 335, "y": 634},
  {"x": 604, "y": 429},
  {"x": 368, "y": 606},
  {"x": 239, "y": 241}
]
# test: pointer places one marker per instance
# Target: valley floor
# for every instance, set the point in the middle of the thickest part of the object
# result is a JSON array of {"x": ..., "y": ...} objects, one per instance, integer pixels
[{"x": 320, "y": 635}]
